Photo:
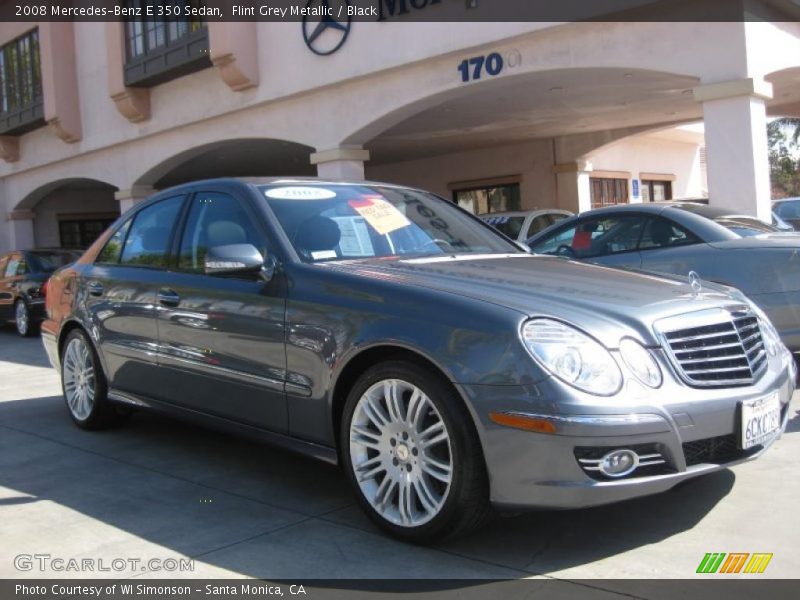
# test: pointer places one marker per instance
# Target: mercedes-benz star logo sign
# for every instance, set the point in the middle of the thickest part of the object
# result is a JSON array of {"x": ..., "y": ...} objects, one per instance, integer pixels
[
  {"x": 694, "y": 281},
  {"x": 327, "y": 35}
]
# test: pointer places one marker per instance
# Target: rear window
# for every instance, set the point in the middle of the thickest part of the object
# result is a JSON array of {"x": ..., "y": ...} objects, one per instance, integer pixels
[
  {"x": 745, "y": 227},
  {"x": 47, "y": 262},
  {"x": 789, "y": 209},
  {"x": 510, "y": 226}
]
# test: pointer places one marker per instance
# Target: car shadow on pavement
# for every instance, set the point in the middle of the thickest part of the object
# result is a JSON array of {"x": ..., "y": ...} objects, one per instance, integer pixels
[
  {"x": 19, "y": 350},
  {"x": 240, "y": 506},
  {"x": 793, "y": 425}
]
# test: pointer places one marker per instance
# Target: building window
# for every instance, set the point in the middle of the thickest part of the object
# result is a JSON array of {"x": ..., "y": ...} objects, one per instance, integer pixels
[
  {"x": 164, "y": 46},
  {"x": 21, "y": 102},
  {"x": 82, "y": 232},
  {"x": 488, "y": 199},
  {"x": 607, "y": 191},
  {"x": 656, "y": 191}
]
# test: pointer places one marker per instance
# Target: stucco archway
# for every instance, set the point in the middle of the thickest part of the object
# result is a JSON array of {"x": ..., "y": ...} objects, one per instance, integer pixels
[
  {"x": 69, "y": 212},
  {"x": 242, "y": 157}
]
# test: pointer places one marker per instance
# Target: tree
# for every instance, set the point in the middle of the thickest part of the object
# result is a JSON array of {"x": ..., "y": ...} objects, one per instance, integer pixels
[{"x": 782, "y": 137}]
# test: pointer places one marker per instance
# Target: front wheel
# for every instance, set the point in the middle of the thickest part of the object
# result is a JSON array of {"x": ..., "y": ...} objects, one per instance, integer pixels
[
  {"x": 412, "y": 454},
  {"x": 85, "y": 387}
]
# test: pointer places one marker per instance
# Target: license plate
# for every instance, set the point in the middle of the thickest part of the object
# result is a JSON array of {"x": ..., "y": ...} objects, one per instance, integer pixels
[{"x": 761, "y": 419}]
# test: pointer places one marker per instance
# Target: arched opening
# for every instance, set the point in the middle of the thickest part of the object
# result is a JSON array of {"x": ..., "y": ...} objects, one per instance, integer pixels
[
  {"x": 514, "y": 132},
  {"x": 69, "y": 213},
  {"x": 785, "y": 93},
  {"x": 256, "y": 157}
]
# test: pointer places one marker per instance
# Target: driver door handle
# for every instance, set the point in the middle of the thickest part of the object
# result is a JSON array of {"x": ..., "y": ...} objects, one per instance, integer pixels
[{"x": 167, "y": 297}]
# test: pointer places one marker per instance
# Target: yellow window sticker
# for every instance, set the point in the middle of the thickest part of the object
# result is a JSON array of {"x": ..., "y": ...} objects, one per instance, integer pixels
[{"x": 381, "y": 215}]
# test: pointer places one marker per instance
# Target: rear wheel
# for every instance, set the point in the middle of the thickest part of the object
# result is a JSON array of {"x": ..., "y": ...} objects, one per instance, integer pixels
[
  {"x": 85, "y": 387},
  {"x": 412, "y": 454},
  {"x": 22, "y": 319}
]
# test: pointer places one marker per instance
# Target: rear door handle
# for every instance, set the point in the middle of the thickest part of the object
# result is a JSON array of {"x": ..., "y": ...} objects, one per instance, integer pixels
[
  {"x": 168, "y": 297},
  {"x": 95, "y": 288}
]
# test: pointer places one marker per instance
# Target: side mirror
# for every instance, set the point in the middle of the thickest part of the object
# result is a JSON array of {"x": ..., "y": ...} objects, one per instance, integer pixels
[{"x": 234, "y": 258}]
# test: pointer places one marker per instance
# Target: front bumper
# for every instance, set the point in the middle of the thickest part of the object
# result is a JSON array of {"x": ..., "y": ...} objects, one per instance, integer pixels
[{"x": 695, "y": 430}]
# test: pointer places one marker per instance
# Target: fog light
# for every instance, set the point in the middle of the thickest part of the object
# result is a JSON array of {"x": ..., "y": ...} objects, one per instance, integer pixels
[{"x": 619, "y": 463}]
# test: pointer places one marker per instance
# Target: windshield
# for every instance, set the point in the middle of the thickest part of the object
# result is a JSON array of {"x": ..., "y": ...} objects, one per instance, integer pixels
[
  {"x": 345, "y": 222},
  {"x": 510, "y": 226},
  {"x": 746, "y": 227},
  {"x": 47, "y": 262}
]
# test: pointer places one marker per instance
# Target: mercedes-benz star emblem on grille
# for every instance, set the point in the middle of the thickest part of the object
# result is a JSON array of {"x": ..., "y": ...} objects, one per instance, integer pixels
[
  {"x": 694, "y": 281},
  {"x": 327, "y": 35}
]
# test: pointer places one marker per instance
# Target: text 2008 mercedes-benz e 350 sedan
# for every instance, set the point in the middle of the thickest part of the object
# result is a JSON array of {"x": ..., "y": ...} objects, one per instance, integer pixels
[{"x": 386, "y": 329}]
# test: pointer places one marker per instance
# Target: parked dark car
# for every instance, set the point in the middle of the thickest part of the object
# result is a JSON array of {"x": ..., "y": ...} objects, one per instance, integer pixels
[
  {"x": 387, "y": 330},
  {"x": 677, "y": 238},
  {"x": 22, "y": 275},
  {"x": 788, "y": 209}
]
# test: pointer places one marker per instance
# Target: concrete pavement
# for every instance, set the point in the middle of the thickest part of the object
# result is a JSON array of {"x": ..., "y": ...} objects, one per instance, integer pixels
[{"x": 157, "y": 488}]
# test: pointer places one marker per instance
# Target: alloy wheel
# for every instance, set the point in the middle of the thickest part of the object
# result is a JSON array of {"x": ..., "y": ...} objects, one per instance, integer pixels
[
  {"x": 79, "y": 379},
  {"x": 21, "y": 318},
  {"x": 401, "y": 453}
]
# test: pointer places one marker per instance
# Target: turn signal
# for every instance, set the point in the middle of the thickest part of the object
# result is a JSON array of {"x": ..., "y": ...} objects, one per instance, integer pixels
[{"x": 518, "y": 421}]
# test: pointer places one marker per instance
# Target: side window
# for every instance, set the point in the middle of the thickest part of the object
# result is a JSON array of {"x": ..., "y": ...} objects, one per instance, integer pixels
[
  {"x": 616, "y": 234},
  {"x": 595, "y": 237},
  {"x": 661, "y": 233},
  {"x": 112, "y": 251},
  {"x": 540, "y": 223},
  {"x": 13, "y": 267},
  {"x": 215, "y": 219},
  {"x": 551, "y": 244},
  {"x": 149, "y": 234}
]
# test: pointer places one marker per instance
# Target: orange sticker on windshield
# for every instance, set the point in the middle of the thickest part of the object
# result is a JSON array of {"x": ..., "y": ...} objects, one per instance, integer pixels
[{"x": 381, "y": 215}]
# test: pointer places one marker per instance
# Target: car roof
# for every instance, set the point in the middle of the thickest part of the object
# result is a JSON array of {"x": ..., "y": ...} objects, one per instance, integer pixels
[
  {"x": 657, "y": 208},
  {"x": 792, "y": 199},
  {"x": 525, "y": 213}
]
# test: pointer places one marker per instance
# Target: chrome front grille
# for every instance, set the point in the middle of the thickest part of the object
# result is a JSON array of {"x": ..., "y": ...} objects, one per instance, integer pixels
[{"x": 715, "y": 348}]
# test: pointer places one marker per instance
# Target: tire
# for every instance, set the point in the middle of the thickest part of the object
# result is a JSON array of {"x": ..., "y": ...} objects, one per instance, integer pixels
[
  {"x": 417, "y": 469},
  {"x": 84, "y": 385},
  {"x": 22, "y": 319}
]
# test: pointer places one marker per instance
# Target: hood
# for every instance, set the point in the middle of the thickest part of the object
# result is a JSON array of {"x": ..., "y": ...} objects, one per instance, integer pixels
[{"x": 595, "y": 298}]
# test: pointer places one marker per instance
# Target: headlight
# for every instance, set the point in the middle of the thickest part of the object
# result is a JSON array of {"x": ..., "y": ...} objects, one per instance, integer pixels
[
  {"x": 641, "y": 362},
  {"x": 572, "y": 356}
]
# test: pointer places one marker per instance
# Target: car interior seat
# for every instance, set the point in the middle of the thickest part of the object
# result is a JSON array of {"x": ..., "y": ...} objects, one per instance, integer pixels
[
  {"x": 316, "y": 234},
  {"x": 153, "y": 239},
  {"x": 225, "y": 233},
  {"x": 661, "y": 233}
]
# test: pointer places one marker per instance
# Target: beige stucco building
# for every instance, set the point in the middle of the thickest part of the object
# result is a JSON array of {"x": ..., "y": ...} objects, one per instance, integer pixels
[{"x": 561, "y": 114}]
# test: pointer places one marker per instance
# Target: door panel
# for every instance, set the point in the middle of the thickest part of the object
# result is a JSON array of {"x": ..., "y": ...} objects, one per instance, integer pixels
[
  {"x": 120, "y": 302},
  {"x": 221, "y": 338},
  {"x": 222, "y": 348},
  {"x": 119, "y": 292}
]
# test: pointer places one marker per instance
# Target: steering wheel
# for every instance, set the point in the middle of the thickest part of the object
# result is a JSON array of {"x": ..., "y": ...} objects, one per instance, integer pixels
[
  {"x": 436, "y": 243},
  {"x": 564, "y": 250}
]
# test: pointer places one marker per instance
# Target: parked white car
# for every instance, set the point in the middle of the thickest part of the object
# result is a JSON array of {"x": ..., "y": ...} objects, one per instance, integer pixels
[{"x": 520, "y": 225}]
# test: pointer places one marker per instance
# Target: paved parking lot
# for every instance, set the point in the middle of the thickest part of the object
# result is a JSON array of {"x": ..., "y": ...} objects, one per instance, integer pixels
[{"x": 161, "y": 489}]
